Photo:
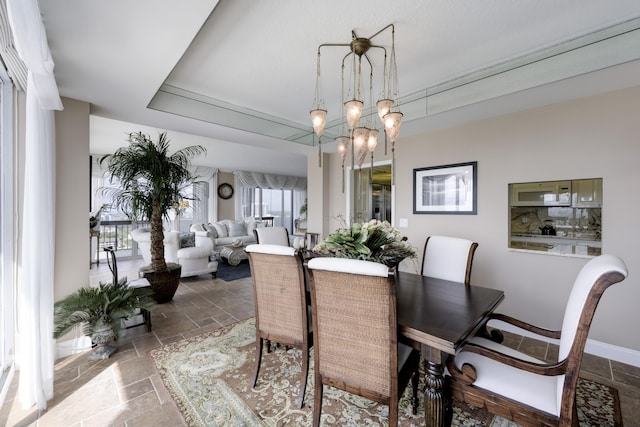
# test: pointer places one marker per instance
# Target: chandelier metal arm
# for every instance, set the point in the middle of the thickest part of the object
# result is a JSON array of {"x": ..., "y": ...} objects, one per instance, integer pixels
[
  {"x": 393, "y": 29},
  {"x": 363, "y": 135}
]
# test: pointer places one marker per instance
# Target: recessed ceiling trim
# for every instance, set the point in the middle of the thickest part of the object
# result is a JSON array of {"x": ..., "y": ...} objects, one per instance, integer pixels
[
  {"x": 614, "y": 45},
  {"x": 175, "y": 100},
  {"x": 539, "y": 71}
]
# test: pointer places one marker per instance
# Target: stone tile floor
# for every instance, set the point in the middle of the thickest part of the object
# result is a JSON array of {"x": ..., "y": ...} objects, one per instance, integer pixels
[{"x": 126, "y": 391}]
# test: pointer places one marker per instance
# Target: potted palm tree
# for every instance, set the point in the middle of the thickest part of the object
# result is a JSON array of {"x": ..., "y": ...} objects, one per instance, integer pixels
[
  {"x": 99, "y": 311},
  {"x": 151, "y": 183}
]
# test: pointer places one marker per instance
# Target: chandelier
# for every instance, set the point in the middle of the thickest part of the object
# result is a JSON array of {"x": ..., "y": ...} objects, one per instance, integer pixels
[{"x": 362, "y": 135}]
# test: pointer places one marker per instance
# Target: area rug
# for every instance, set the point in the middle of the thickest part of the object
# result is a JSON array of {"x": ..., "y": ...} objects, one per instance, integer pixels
[
  {"x": 228, "y": 272},
  {"x": 209, "y": 377}
]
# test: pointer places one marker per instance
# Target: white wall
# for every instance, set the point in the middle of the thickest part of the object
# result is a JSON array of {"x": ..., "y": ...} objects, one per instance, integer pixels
[{"x": 589, "y": 138}]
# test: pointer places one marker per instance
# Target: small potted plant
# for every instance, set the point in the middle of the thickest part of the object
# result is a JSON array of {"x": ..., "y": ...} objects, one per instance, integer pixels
[
  {"x": 151, "y": 183},
  {"x": 100, "y": 311}
]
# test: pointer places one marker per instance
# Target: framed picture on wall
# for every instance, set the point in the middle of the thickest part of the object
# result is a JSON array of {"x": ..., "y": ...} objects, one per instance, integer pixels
[{"x": 447, "y": 189}]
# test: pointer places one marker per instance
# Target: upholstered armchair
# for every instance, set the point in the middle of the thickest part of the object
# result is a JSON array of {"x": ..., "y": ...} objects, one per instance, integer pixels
[
  {"x": 521, "y": 388},
  {"x": 193, "y": 259}
]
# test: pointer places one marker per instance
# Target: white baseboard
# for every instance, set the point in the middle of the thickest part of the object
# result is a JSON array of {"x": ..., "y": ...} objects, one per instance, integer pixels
[
  {"x": 596, "y": 348},
  {"x": 613, "y": 352}
]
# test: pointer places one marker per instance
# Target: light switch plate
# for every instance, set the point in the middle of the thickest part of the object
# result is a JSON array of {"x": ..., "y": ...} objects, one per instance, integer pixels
[{"x": 404, "y": 223}]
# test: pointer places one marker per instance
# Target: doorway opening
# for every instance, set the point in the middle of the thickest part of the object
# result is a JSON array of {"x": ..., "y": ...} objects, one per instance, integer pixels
[{"x": 370, "y": 193}]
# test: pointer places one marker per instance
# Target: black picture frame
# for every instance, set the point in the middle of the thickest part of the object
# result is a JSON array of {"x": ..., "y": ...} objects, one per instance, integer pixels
[{"x": 447, "y": 189}]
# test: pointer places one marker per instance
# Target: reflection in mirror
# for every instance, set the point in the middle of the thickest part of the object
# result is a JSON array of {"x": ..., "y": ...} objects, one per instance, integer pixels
[{"x": 373, "y": 195}]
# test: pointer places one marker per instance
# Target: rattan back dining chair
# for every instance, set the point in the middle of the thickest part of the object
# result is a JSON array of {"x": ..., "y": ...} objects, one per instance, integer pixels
[
  {"x": 521, "y": 388},
  {"x": 280, "y": 303},
  {"x": 272, "y": 236},
  {"x": 449, "y": 258},
  {"x": 355, "y": 334}
]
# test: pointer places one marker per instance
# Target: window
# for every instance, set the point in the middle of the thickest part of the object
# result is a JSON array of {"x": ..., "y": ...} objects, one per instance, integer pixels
[{"x": 278, "y": 207}]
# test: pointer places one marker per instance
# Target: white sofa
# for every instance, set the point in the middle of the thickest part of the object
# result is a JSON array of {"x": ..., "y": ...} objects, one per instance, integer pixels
[
  {"x": 225, "y": 232},
  {"x": 193, "y": 259}
]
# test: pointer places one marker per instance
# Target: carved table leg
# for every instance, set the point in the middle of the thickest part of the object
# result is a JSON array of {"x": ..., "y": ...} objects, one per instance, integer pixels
[{"x": 437, "y": 404}]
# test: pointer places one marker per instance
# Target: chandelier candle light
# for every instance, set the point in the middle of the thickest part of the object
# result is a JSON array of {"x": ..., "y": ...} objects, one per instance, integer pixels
[{"x": 362, "y": 138}]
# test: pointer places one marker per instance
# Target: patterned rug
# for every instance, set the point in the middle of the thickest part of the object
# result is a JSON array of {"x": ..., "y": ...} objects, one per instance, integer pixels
[{"x": 209, "y": 377}]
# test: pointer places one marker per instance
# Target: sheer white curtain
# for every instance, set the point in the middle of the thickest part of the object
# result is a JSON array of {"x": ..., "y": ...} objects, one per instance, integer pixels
[
  {"x": 266, "y": 180},
  {"x": 35, "y": 278},
  {"x": 246, "y": 182},
  {"x": 210, "y": 176},
  {"x": 201, "y": 202}
]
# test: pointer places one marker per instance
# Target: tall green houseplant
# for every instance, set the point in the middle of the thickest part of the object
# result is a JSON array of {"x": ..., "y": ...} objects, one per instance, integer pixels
[{"x": 151, "y": 183}]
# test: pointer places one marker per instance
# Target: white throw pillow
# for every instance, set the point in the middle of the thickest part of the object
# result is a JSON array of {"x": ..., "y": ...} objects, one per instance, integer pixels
[
  {"x": 251, "y": 225},
  {"x": 211, "y": 230},
  {"x": 237, "y": 229},
  {"x": 221, "y": 229},
  {"x": 197, "y": 227}
]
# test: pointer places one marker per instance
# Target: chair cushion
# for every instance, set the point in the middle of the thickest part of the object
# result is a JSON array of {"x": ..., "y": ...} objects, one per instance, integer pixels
[
  {"x": 353, "y": 266},
  {"x": 193, "y": 253},
  {"x": 271, "y": 249},
  {"x": 539, "y": 391}
]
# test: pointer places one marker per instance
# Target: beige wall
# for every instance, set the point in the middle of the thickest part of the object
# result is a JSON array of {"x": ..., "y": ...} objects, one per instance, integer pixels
[
  {"x": 593, "y": 137},
  {"x": 318, "y": 192},
  {"x": 72, "y": 197}
]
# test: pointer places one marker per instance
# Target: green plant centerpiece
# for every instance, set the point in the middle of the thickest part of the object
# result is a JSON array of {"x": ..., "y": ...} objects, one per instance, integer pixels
[
  {"x": 151, "y": 183},
  {"x": 375, "y": 241},
  {"x": 100, "y": 311}
]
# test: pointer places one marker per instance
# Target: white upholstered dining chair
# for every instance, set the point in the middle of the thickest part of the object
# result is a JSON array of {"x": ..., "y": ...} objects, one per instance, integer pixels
[
  {"x": 448, "y": 258},
  {"x": 272, "y": 236},
  {"x": 521, "y": 388}
]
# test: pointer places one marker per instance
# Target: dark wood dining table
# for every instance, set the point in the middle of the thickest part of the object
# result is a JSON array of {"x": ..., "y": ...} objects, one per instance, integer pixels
[{"x": 437, "y": 317}]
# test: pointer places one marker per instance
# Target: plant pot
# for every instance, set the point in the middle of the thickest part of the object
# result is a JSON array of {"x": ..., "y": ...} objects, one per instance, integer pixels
[
  {"x": 102, "y": 337},
  {"x": 163, "y": 283}
]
